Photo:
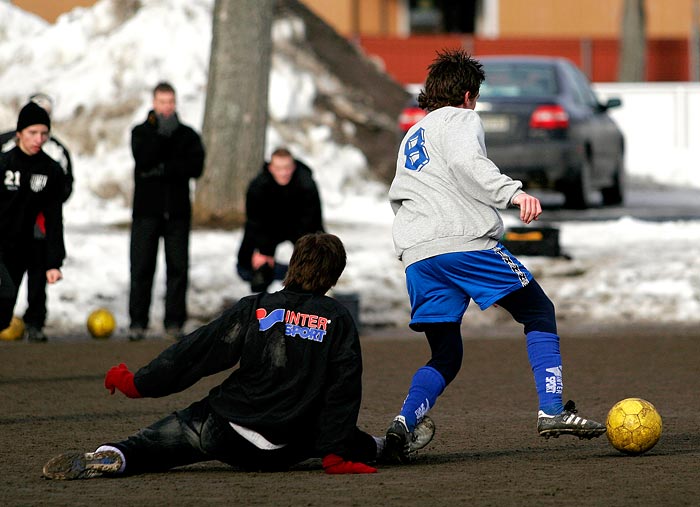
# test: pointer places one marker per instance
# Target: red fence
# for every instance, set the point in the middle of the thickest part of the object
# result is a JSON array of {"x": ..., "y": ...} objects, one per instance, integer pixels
[{"x": 406, "y": 59}]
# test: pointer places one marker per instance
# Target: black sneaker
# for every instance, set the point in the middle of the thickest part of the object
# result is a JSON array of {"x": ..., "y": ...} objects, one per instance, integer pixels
[
  {"x": 136, "y": 334},
  {"x": 76, "y": 465},
  {"x": 568, "y": 423},
  {"x": 36, "y": 335}
]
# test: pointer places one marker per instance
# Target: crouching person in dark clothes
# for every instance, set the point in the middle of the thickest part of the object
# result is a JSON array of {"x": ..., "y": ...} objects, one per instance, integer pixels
[
  {"x": 295, "y": 395},
  {"x": 282, "y": 204}
]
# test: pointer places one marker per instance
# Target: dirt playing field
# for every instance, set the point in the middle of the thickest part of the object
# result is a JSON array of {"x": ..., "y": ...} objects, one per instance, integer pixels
[{"x": 486, "y": 450}]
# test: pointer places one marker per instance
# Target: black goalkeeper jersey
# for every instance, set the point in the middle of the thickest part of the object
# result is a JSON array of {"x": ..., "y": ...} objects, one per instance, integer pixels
[
  {"x": 297, "y": 373},
  {"x": 31, "y": 185}
]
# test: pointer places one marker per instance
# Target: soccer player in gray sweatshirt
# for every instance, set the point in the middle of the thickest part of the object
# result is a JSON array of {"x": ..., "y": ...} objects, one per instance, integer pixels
[{"x": 445, "y": 196}]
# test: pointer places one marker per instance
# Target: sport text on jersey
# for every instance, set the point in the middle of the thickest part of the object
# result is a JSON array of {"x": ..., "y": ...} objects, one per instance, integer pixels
[{"x": 303, "y": 325}]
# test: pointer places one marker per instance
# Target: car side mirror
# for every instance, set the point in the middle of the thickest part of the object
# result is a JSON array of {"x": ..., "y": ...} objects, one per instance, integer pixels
[{"x": 615, "y": 102}]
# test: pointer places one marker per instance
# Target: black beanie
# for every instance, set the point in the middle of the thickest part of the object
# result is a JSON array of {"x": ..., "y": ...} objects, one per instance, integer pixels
[{"x": 32, "y": 114}]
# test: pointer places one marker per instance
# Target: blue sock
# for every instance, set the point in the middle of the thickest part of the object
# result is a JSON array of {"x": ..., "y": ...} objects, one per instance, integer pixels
[
  {"x": 426, "y": 386},
  {"x": 545, "y": 360}
]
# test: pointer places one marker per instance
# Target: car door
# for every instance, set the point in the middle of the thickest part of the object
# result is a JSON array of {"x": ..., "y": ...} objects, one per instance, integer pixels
[{"x": 601, "y": 131}]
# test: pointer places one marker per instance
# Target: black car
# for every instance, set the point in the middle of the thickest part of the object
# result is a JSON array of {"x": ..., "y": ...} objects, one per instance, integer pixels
[{"x": 545, "y": 126}]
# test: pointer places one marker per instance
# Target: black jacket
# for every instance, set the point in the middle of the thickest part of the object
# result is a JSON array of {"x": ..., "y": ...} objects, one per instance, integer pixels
[
  {"x": 54, "y": 149},
  {"x": 163, "y": 166},
  {"x": 276, "y": 213},
  {"x": 31, "y": 184},
  {"x": 299, "y": 368}
]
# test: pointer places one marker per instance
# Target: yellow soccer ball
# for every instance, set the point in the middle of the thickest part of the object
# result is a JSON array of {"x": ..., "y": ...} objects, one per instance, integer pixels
[
  {"x": 633, "y": 426},
  {"x": 101, "y": 323},
  {"x": 15, "y": 331}
]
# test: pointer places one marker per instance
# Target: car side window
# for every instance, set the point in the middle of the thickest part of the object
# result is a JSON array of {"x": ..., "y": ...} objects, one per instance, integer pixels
[
  {"x": 583, "y": 93},
  {"x": 571, "y": 83}
]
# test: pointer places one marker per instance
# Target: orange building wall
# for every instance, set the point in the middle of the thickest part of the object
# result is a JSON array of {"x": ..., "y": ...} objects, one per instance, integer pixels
[
  {"x": 590, "y": 18},
  {"x": 51, "y": 9},
  {"x": 559, "y": 18},
  {"x": 373, "y": 17},
  {"x": 586, "y": 31},
  {"x": 406, "y": 59},
  {"x": 670, "y": 18},
  {"x": 517, "y": 18},
  {"x": 520, "y": 18}
]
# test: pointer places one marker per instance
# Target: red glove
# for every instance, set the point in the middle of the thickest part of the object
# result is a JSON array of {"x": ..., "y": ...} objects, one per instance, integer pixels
[
  {"x": 334, "y": 464},
  {"x": 119, "y": 377}
]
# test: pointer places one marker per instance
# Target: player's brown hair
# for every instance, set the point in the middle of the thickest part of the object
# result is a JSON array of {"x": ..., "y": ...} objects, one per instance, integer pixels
[
  {"x": 451, "y": 75},
  {"x": 317, "y": 262}
]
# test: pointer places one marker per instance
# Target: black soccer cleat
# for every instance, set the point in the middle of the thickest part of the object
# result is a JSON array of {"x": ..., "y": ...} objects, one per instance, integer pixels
[
  {"x": 568, "y": 423},
  {"x": 398, "y": 440}
]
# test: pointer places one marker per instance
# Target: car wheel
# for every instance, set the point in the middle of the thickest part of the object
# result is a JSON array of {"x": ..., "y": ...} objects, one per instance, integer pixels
[
  {"x": 578, "y": 187},
  {"x": 615, "y": 194}
]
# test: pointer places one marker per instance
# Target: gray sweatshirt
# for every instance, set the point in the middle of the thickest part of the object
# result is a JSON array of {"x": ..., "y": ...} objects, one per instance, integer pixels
[{"x": 447, "y": 201}]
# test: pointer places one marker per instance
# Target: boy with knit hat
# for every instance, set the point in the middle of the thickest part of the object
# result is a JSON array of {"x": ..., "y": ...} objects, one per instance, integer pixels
[
  {"x": 35, "y": 314},
  {"x": 32, "y": 183}
]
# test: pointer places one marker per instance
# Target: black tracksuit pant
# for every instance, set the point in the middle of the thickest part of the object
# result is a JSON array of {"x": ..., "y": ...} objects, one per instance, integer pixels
[
  {"x": 198, "y": 434},
  {"x": 12, "y": 267},
  {"x": 35, "y": 315},
  {"x": 145, "y": 238}
]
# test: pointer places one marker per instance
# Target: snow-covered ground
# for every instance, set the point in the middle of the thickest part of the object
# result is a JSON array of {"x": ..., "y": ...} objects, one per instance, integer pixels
[{"x": 94, "y": 60}]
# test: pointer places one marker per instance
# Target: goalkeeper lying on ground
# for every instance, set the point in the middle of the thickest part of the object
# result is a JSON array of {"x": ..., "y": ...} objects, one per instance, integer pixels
[{"x": 295, "y": 395}]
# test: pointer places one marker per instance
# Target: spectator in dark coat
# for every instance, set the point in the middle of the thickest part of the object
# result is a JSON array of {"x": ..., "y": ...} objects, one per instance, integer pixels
[
  {"x": 167, "y": 154},
  {"x": 282, "y": 204}
]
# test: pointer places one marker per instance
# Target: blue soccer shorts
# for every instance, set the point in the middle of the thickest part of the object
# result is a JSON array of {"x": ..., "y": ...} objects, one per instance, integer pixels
[{"x": 441, "y": 287}]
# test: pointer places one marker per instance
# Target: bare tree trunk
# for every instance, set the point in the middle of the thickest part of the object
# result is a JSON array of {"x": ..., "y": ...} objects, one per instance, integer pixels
[
  {"x": 235, "y": 116},
  {"x": 633, "y": 53}
]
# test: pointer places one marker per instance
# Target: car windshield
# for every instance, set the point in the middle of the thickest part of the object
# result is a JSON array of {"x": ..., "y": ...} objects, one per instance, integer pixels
[{"x": 509, "y": 79}]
